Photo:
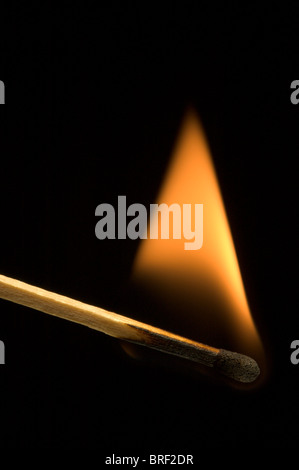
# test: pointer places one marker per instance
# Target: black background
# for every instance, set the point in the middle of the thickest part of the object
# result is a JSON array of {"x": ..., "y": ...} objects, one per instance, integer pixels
[{"x": 95, "y": 96}]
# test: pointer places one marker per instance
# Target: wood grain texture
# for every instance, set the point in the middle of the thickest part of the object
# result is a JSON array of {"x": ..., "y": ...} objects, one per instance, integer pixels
[
  {"x": 236, "y": 366},
  {"x": 107, "y": 322}
]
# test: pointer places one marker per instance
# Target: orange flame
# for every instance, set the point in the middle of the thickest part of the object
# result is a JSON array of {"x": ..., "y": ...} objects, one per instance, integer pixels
[{"x": 204, "y": 288}]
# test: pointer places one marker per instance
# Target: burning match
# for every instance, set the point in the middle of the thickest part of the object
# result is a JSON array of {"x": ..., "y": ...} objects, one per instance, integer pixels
[{"x": 231, "y": 364}]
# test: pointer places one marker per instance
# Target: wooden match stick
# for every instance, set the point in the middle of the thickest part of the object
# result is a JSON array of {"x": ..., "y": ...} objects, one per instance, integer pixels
[{"x": 234, "y": 365}]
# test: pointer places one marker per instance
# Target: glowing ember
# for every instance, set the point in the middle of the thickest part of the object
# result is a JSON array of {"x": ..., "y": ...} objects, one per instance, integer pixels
[{"x": 203, "y": 288}]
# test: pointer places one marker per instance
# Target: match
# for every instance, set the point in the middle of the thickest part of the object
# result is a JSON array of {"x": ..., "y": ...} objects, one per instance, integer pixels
[{"x": 236, "y": 366}]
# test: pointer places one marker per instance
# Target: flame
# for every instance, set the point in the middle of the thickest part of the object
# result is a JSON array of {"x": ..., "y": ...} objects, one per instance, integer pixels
[{"x": 203, "y": 288}]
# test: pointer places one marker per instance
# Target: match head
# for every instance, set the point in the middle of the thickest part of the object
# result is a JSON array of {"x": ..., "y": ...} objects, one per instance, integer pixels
[{"x": 237, "y": 366}]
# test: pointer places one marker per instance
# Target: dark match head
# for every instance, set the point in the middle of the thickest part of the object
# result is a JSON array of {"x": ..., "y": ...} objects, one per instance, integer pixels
[{"x": 237, "y": 366}]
